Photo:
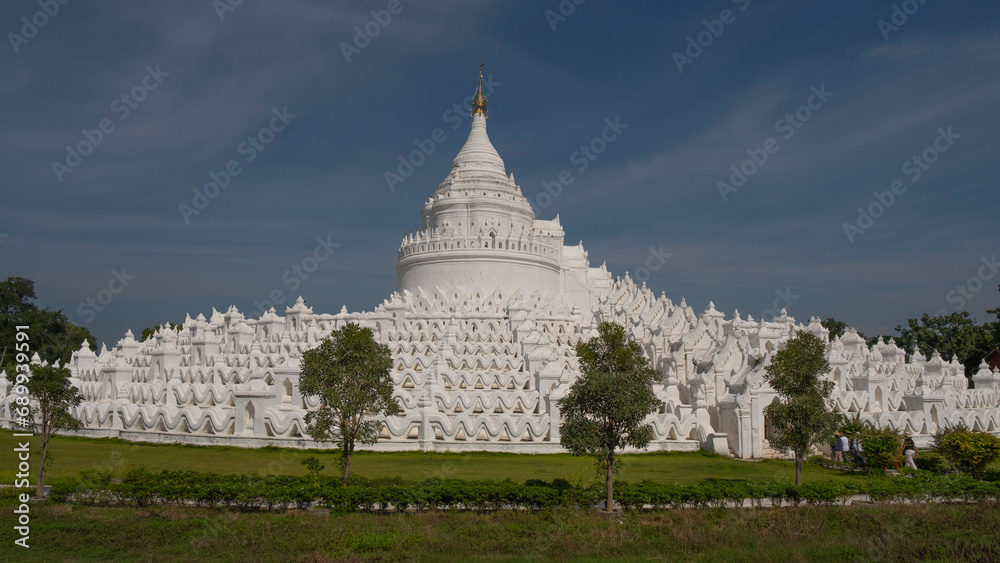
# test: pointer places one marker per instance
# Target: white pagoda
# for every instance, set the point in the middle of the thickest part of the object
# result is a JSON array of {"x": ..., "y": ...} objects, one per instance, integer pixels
[{"x": 482, "y": 327}]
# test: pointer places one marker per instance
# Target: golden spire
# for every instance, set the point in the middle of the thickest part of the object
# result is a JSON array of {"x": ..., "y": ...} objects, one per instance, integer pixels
[{"x": 479, "y": 100}]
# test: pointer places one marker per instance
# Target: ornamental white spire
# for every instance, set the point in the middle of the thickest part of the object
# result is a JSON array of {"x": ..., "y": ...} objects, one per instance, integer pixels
[{"x": 478, "y": 149}]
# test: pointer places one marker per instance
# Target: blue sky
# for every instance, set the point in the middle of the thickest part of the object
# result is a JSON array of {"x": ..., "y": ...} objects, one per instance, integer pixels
[{"x": 207, "y": 83}]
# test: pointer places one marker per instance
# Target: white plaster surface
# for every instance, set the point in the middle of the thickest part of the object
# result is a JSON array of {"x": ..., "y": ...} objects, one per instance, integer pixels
[{"x": 482, "y": 328}]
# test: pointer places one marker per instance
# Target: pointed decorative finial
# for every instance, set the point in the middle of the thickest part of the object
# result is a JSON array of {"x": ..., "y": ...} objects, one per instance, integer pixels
[{"x": 479, "y": 100}]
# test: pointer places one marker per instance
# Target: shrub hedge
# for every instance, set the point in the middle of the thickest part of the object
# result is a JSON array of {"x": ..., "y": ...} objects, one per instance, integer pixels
[
  {"x": 281, "y": 492},
  {"x": 932, "y": 461},
  {"x": 969, "y": 451}
]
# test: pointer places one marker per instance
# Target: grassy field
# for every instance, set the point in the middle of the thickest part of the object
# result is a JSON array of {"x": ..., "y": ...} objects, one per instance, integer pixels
[
  {"x": 63, "y": 532},
  {"x": 70, "y": 455},
  {"x": 854, "y": 533}
]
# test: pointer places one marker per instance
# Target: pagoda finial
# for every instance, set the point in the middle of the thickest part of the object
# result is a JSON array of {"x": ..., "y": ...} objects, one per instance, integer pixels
[{"x": 479, "y": 100}]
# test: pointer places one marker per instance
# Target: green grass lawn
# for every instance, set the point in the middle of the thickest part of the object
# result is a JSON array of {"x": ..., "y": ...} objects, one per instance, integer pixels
[
  {"x": 939, "y": 532},
  {"x": 70, "y": 455},
  {"x": 66, "y": 532}
]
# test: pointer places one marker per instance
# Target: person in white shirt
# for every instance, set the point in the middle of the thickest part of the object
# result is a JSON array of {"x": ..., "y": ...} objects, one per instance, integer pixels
[
  {"x": 909, "y": 452},
  {"x": 845, "y": 446}
]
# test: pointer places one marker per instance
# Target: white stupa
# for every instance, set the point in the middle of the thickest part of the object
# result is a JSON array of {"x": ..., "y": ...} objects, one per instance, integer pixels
[
  {"x": 479, "y": 230},
  {"x": 488, "y": 308}
]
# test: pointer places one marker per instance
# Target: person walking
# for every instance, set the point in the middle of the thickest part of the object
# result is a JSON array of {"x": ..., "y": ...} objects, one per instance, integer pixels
[
  {"x": 858, "y": 451},
  {"x": 838, "y": 453},
  {"x": 845, "y": 446},
  {"x": 909, "y": 452}
]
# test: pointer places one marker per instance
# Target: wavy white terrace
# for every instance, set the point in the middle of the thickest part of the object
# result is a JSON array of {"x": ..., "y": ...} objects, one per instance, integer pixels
[{"x": 489, "y": 306}]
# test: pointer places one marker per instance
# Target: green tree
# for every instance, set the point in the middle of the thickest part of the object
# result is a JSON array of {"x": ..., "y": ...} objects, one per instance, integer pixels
[
  {"x": 605, "y": 407},
  {"x": 801, "y": 417},
  {"x": 54, "y": 396},
  {"x": 52, "y": 336},
  {"x": 994, "y": 327},
  {"x": 955, "y": 334},
  {"x": 351, "y": 374}
]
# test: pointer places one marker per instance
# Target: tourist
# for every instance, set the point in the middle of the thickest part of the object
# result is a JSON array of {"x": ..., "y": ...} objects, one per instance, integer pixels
[
  {"x": 845, "y": 446},
  {"x": 909, "y": 451},
  {"x": 857, "y": 450},
  {"x": 838, "y": 453}
]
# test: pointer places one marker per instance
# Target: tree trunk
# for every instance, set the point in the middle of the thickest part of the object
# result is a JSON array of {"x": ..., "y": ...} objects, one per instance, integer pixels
[
  {"x": 798, "y": 469},
  {"x": 347, "y": 466},
  {"x": 609, "y": 502}
]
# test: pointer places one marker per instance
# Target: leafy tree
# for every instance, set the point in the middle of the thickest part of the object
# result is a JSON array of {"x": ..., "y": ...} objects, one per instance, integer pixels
[
  {"x": 954, "y": 334},
  {"x": 994, "y": 327},
  {"x": 995, "y": 311},
  {"x": 605, "y": 407},
  {"x": 148, "y": 333},
  {"x": 350, "y": 373},
  {"x": 800, "y": 418},
  {"x": 50, "y": 387},
  {"x": 52, "y": 336}
]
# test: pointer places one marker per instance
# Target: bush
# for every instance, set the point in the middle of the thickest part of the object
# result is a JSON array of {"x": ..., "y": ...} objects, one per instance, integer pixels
[
  {"x": 824, "y": 492},
  {"x": 279, "y": 492},
  {"x": 932, "y": 461},
  {"x": 757, "y": 491},
  {"x": 883, "y": 447},
  {"x": 971, "y": 452},
  {"x": 661, "y": 495}
]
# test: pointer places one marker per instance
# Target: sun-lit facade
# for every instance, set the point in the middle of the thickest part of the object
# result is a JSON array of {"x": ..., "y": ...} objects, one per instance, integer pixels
[{"x": 482, "y": 327}]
